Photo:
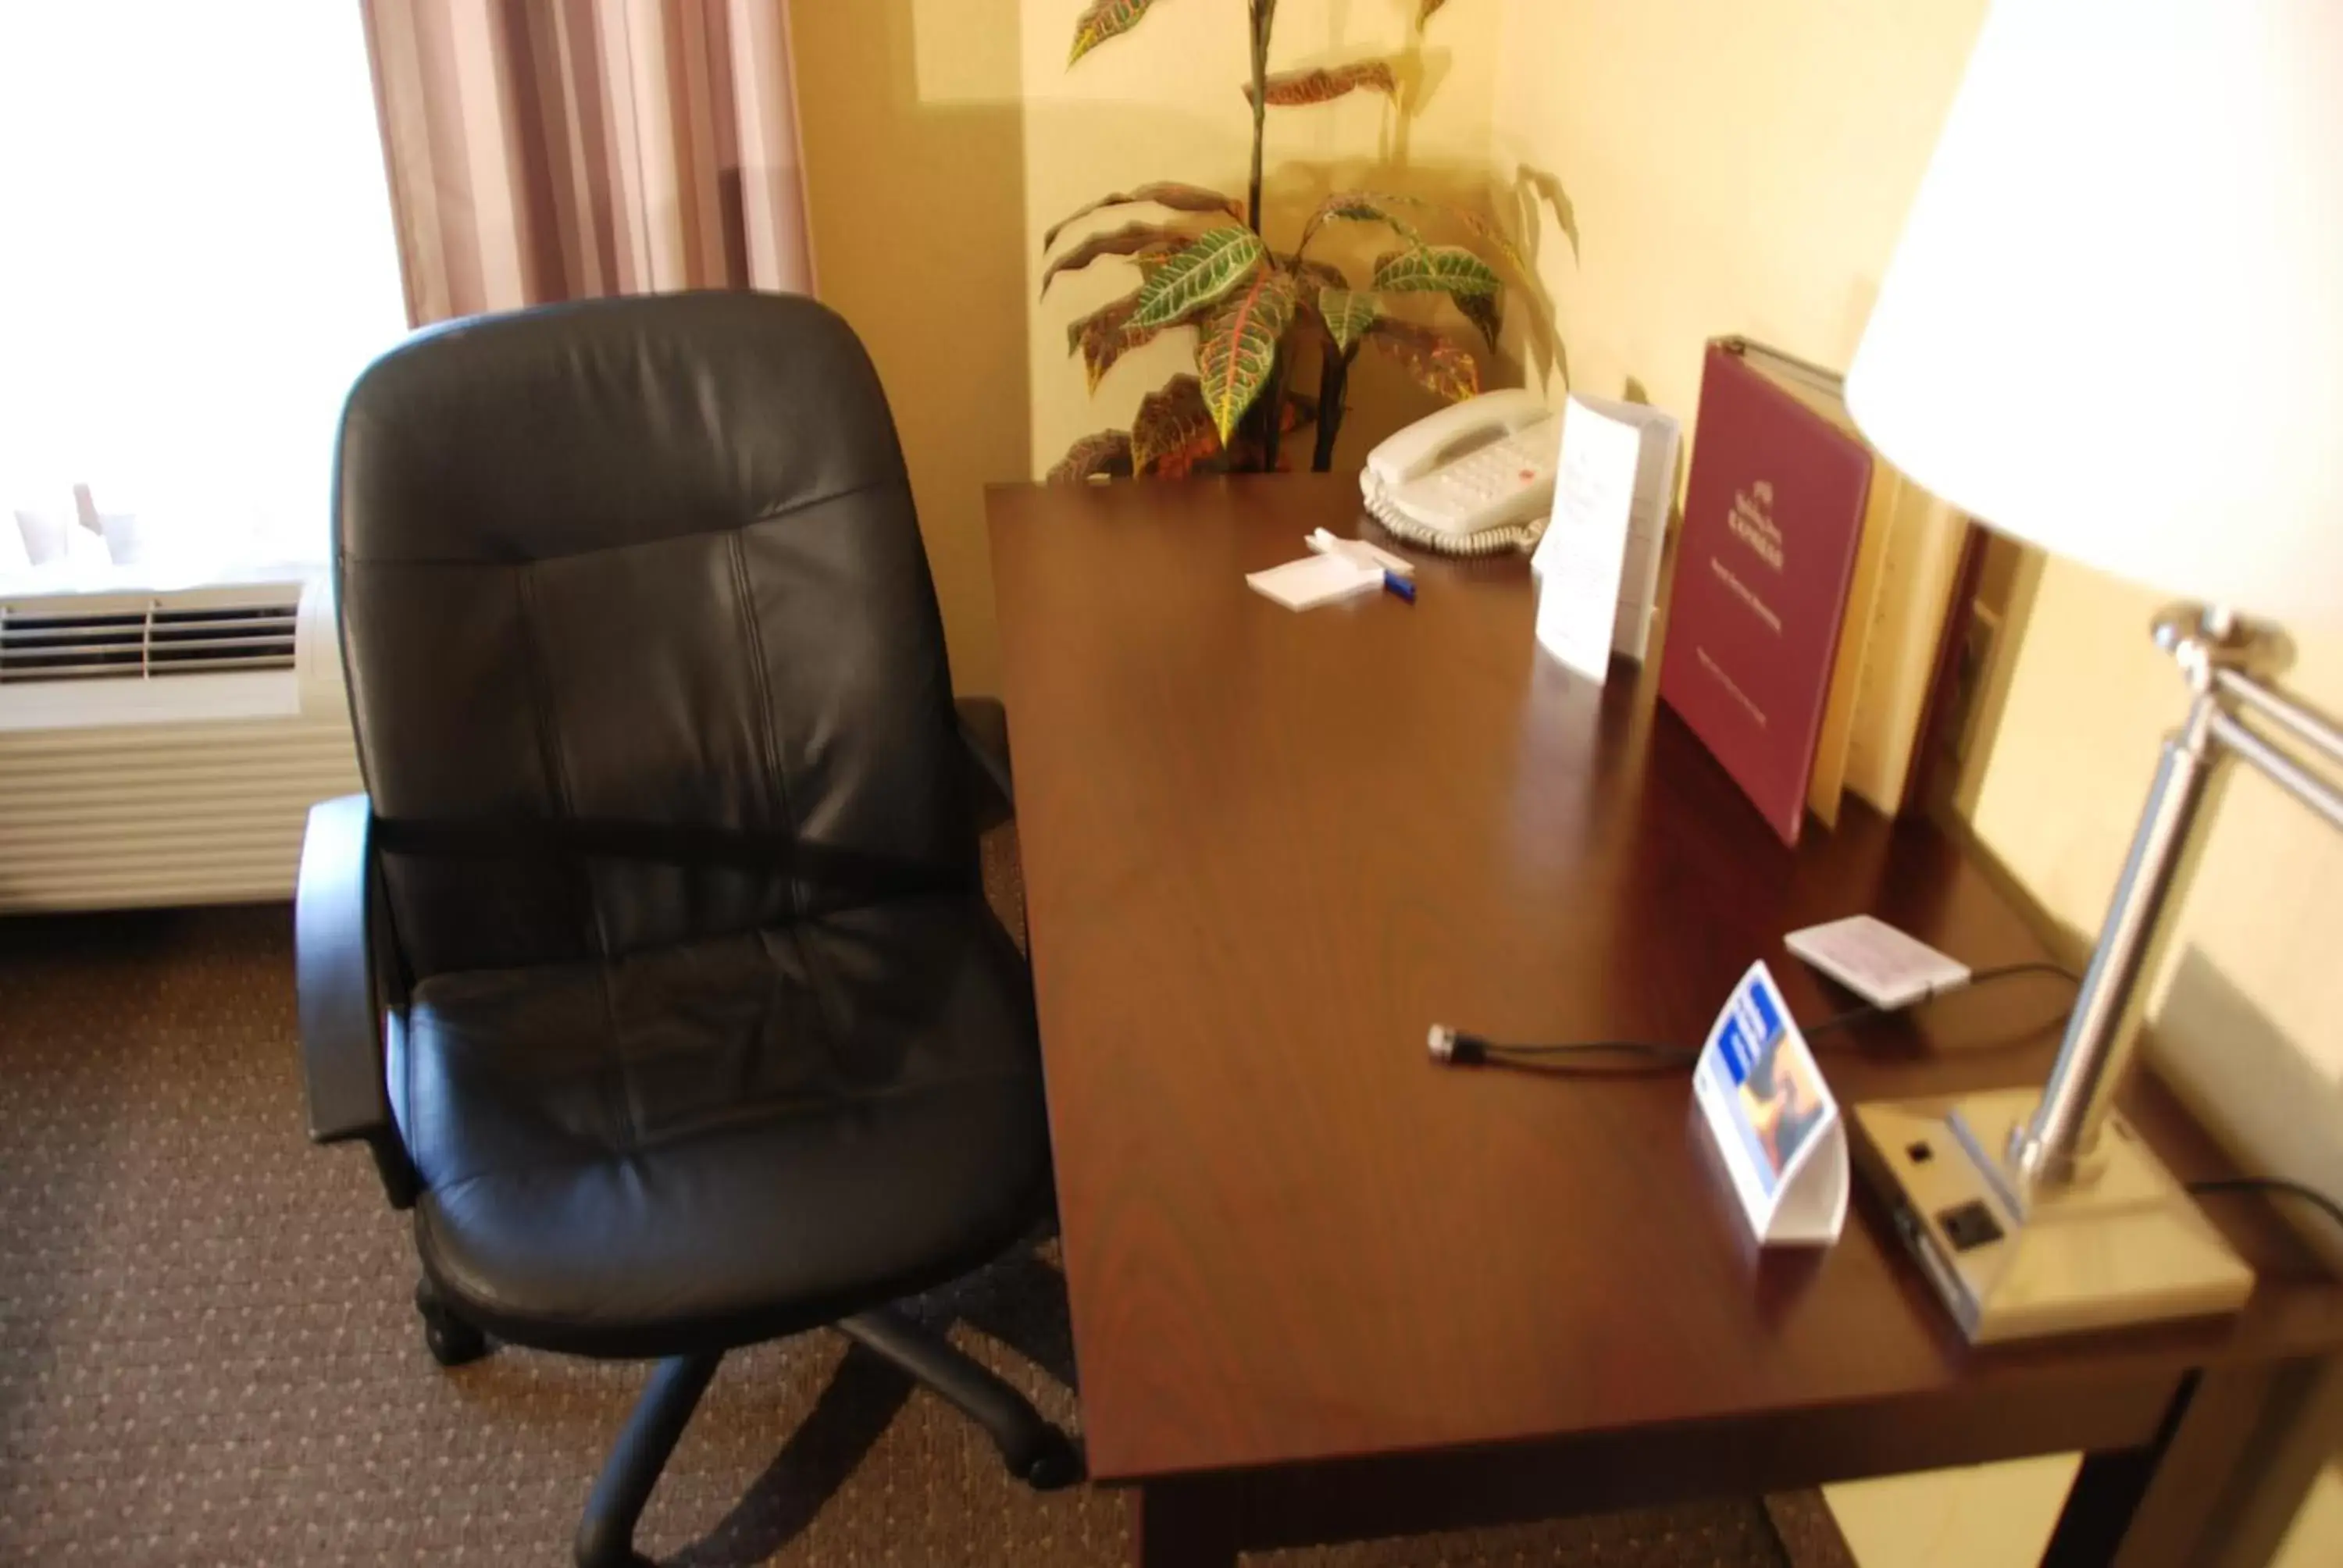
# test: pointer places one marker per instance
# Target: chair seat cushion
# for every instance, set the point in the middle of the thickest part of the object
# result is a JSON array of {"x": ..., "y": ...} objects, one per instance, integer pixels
[{"x": 719, "y": 1141}]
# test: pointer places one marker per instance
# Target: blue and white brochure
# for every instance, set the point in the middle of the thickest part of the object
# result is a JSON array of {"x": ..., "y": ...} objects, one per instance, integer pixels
[{"x": 1773, "y": 1118}]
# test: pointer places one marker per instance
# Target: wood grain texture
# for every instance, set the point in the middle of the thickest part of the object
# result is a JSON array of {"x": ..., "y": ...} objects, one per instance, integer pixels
[
  {"x": 1406, "y": 1494},
  {"x": 1263, "y": 851}
]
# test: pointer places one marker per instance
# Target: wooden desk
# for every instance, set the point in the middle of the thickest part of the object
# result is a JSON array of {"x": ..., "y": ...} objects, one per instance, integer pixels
[{"x": 1322, "y": 1289}]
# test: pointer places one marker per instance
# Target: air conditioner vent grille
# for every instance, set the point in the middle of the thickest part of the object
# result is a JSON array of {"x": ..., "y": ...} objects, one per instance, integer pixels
[{"x": 153, "y": 637}]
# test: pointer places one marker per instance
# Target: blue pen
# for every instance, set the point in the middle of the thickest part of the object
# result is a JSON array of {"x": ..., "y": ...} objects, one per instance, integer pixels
[{"x": 1395, "y": 584}]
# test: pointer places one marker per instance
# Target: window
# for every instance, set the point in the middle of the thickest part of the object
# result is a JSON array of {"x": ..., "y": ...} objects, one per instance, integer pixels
[{"x": 196, "y": 260}]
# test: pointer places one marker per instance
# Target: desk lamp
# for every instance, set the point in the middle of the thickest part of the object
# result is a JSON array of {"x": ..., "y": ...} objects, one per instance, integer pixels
[{"x": 2113, "y": 328}]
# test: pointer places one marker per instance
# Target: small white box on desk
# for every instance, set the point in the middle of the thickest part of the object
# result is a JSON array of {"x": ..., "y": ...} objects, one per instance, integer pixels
[
  {"x": 1772, "y": 1119},
  {"x": 1879, "y": 963}
]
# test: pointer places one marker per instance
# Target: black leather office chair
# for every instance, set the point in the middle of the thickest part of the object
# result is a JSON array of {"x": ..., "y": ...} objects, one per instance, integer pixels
[{"x": 654, "y": 967}]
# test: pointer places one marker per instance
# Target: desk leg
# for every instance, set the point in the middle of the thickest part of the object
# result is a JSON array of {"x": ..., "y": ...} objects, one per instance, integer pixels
[
  {"x": 2179, "y": 1500},
  {"x": 1187, "y": 1522}
]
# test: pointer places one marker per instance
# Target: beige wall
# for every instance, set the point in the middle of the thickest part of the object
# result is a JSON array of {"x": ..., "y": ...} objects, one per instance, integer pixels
[
  {"x": 1746, "y": 169},
  {"x": 1734, "y": 168},
  {"x": 915, "y": 146}
]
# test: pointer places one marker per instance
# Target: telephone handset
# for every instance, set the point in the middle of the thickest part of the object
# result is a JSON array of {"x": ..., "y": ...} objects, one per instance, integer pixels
[{"x": 1470, "y": 479}]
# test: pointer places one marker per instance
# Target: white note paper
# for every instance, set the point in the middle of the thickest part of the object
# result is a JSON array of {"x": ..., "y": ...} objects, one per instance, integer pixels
[
  {"x": 1580, "y": 559},
  {"x": 1651, "y": 493},
  {"x": 1317, "y": 579}
]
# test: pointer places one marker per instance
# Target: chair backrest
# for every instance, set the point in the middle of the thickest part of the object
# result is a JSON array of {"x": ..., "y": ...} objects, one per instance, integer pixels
[{"x": 647, "y": 562}]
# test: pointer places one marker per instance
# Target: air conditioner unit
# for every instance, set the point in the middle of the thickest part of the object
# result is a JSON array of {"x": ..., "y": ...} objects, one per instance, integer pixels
[{"x": 164, "y": 748}]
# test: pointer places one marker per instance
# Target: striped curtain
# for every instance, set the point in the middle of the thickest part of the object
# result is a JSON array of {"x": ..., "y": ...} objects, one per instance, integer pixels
[{"x": 560, "y": 149}]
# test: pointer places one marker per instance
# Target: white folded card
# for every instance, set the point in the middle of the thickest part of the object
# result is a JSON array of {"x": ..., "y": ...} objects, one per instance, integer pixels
[
  {"x": 1597, "y": 564},
  {"x": 1877, "y": 962},
  {"x": 1774, "y": 1120}
]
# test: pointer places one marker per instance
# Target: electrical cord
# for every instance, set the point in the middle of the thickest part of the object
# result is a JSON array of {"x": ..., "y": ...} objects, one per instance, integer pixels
[
  {"x": 1632, "y": 1058},
  {"x": 1866, "y": 1011},
  {"x": 1585, "y": 1058},
  {"x": 1635, "y": 1057},
  {"x": 2279, "y": 1184}
]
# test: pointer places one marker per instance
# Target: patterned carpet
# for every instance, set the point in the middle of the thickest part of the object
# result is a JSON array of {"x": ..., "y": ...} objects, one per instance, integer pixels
[{"x": 207, "y": 1354}]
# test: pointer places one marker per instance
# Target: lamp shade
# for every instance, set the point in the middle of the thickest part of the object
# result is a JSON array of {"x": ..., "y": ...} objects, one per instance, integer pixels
[{"x": 2114, "y": 324}]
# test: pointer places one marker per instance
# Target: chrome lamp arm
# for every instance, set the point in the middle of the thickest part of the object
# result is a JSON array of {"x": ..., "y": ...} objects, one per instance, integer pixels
[{"x": 2229, "y": 663}]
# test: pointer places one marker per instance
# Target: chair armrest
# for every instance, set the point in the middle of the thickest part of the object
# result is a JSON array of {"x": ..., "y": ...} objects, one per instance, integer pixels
[
  {"x": 984, "y": 731},
  {"x": 339, "y": 1002}
]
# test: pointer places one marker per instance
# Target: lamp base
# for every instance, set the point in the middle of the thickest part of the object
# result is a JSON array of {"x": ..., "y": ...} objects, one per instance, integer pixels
[{"x": 2121, "y": 1244}]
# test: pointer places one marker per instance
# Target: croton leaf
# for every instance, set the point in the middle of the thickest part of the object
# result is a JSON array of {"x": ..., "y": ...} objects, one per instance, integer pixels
[
  {"x": 1377, "y": 206},
  {"x": 1348, "y": 313},
  {"x": 1466, "y": 218},
  {"x": 1324, "y": 275},
  {"x": 1359, "y": 206},
  {"x": 1237, "y": 346},
  {"x": 1486, "y": 311},
  {"x": 1208, "y": 267},
  {"x": 1103, "y": 20},
  {"x": 1435, "y": 361},
  {"x": 1106, "y": 454},
  {"x": 1173, "y": 430},
  {"x": 1448, "y": 270},
  {"x": 1162, "y": 192},
  {"x": 1114, "y": 315},
  {"x": 1423, "y": 12},
  {"x": 1499, "y": 241},
  {"x": 1106, "y": 334},
  {"x": 1136, "y": 240},
  {"x": 1292, "y": 89},
  {"x": 1179, "y": 465}
]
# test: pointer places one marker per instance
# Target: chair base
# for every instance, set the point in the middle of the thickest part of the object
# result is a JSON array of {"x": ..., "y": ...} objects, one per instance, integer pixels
[
  {"x": 606, "y": 1536},
  {"x": 452, "y": 1341},
  {"x": 1035, "y": 1452}
]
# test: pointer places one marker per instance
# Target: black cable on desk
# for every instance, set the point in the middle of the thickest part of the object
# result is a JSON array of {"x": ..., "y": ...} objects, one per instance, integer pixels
[
  {"x": 1629, "y": 1058},
  {"x": 1867, "y": 1010},
  {"x": 1585, "y": 1056},
  {"x": 2312, "y": 1195}
]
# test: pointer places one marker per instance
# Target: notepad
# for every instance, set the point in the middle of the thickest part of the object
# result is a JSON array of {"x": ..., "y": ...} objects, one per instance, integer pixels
[{"x": 1316, "y": 579}]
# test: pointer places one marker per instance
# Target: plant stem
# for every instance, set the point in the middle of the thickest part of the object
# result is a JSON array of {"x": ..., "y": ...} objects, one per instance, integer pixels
[
  {"x": 1333, "y": 382},
  {"x": 1261, "y": 420},
  {"x": 1271, "y": 409},
  {"x": 1265, "y": 13}
]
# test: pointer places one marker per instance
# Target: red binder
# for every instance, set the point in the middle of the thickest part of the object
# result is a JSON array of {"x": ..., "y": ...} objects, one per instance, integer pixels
[{"x": 1773, "y": 514}]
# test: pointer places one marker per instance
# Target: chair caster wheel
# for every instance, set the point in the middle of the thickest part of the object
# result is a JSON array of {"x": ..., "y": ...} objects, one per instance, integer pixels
[
  {"x": 452, "y": 1342},
  {"x": 1054, "y": 1465},
  {"x": 455, "y": 1345}
]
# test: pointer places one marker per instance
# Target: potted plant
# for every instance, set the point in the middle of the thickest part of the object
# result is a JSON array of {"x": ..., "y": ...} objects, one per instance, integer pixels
[{"x": 1257, "y": 310}]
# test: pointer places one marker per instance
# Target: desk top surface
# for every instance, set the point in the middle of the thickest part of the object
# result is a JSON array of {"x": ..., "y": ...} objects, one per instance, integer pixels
[{"x": 1264, "y": 851}]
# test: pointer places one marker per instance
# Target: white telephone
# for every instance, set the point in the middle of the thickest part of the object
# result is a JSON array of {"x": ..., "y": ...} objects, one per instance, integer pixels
[{"x": 1469, "y": 481}]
